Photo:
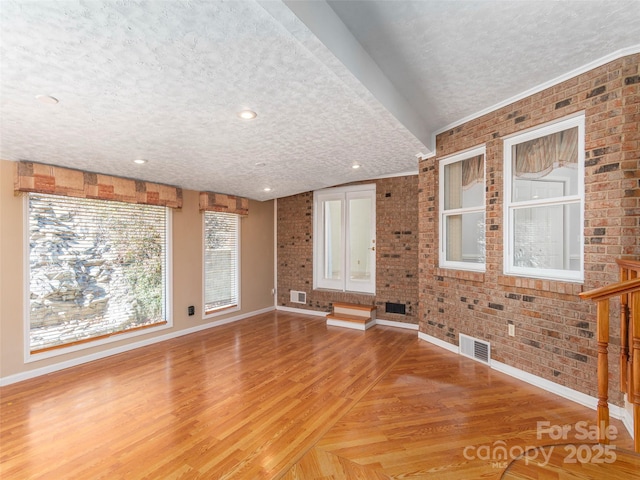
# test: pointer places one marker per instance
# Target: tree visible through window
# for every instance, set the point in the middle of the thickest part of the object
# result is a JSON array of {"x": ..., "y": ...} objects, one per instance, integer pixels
[{"x": 96, "y": 268}]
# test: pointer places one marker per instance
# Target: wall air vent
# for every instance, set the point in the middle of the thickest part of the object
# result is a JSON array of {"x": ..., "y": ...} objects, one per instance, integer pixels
[
  {"x": 296, "y": 296},
  {"x": 399, "y": 308},
  {"x": 474, "y": 348}
]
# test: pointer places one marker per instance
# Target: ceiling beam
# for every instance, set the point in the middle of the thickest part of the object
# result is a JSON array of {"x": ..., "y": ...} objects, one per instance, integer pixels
[{"x": 327, "y": 27}]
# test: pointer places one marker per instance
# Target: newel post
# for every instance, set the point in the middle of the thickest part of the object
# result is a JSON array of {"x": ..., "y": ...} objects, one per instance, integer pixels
[
  {"x": 634, "y": 377},
  {"x": 603, "y": 370}
]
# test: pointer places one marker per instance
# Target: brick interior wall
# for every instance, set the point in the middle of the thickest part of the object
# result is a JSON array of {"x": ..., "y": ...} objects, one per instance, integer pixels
[
  {"x": 396, "y": 251},
  {"x": 555, "y": 330}
]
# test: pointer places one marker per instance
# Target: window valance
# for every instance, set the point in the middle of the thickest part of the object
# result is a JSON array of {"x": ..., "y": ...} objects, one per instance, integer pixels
[
  {"x": 472, "y": 171},
  {"x": 538, "y": 157},
  {"x": 42, "y": 178},
  {"x": 220, "y": 202}
]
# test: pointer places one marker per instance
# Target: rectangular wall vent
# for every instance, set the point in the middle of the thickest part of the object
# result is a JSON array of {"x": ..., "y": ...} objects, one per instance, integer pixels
[
  {"x": 296, "y": 296},
  {"x": 399, "y": 308},
  {"x": 474, "y": 348}
]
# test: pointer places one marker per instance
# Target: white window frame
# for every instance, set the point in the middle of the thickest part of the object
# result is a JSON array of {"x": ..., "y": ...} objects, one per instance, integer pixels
[
  {"x": 344, "y": 194},
  {"x": 228, "y": 309},
  {"x": 510, "y": 206},
  {"x": 443, "y": 214},
  {"x": 62, "y": 350}
]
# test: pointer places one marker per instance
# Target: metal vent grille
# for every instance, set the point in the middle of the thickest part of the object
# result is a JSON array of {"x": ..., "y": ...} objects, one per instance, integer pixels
[
  {"x": 399, "y": 308},
  {"x": 474, "y": 348},
  {"x": 296, "y": 296}
]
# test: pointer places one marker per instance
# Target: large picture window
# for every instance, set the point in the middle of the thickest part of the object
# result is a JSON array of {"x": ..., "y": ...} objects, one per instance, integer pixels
[
  {"x": 221, "y": 261},
  {"x": 96, "y": 268},
  {"x": 462, "y": 211},
  {"x": 544, "y": 206},
  {"x": 344, "y": 239}
]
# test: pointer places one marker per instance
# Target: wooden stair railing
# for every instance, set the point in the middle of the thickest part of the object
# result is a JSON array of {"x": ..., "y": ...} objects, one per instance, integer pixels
[{"x": 628, "y": 289}]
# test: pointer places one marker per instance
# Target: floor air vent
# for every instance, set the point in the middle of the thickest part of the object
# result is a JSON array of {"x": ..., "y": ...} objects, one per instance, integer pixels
[
  {"x": 474, "y": 348},
  {"x": 296, "y": 296}
]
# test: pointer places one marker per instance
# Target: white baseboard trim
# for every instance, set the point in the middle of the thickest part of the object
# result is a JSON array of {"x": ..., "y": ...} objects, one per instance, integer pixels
[
  {"x": 301, "y": 311},
  {"x": 37, "y": 372},
  {"x": 377, "y": 321},
  {"x": 583, "y": 399},
  {"x": 565, "y": 392},
  {"x": 438, "y": 342},
  {"x": 627, "y": 417},
  {"x": 393, "y": 323},
  {"x": 627, "y": 421}
]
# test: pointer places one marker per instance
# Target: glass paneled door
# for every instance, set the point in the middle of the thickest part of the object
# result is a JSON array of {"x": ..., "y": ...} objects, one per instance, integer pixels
[
  {"x": 361, "y": 261},
  {"x": 345, "y": 239}
]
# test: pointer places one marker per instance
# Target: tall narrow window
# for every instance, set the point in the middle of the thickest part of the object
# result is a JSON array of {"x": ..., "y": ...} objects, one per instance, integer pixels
[
  {"x": 344, "y": 239},
  {"x": 462, "y": 211},
  {"x": 544, "y": 206},
  {"x": 221, "y": 261},
  {"x": 96, "y": 268}
]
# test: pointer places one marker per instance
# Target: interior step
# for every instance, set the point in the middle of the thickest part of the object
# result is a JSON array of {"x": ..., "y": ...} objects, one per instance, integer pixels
[
  {"x": 350, "y": 315},
  {"x": 348, "y": 318}
]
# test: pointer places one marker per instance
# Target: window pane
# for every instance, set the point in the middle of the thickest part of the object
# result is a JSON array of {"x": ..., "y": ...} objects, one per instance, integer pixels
[
  {"x": 333, "y": 239},
  {"x": 360, "y": 241},
  {"x": 546, "y": 167},
  {"x": 96, "y": 268},
  {"x": 465, "y": 238},
  {"x": 220, "y": 260},
  {"x": 464, "y": 183},
  {"x": 547, "y": 237}
]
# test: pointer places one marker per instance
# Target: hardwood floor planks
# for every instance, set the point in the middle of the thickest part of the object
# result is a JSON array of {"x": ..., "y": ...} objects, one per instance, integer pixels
[
  {"x": 419, "y": 418},
  {"x": 275, "y": 396}
]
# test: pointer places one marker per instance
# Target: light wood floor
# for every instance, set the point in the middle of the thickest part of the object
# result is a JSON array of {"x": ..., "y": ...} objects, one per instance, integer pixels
[{"x": 274, "y": 396}]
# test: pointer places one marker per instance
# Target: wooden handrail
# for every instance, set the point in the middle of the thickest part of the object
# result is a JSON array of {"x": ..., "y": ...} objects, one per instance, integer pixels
[
  {"x": 629, "y": 263},
  {"x": 628, "y": 289},
  {"x": 612, "y": 290}
]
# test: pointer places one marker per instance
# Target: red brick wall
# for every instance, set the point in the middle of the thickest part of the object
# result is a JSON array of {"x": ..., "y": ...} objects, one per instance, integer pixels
[
  {"x": 396, "y": 251},
  {"x": 555, "y": 330}
]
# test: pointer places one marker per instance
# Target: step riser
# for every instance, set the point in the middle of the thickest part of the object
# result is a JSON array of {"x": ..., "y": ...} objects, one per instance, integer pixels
[
  {"x": 354, "y": 312},
  {"x": 357, "y": 317},
  {"x": 347, "y": 318},
  {"x": 352, "y": 325}
]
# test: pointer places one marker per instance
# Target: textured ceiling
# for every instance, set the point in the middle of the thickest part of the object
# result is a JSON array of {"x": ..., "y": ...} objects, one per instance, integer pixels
[
  {"x": 455, "y": 58},
  {"x": 164, "y": 81}
]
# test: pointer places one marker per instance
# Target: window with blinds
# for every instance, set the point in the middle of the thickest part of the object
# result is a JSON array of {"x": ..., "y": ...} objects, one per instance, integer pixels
[
  {"x": 221, "y": 261},
  {"x": 96, "y": 268},
  {"x": 462, "y": 211}
]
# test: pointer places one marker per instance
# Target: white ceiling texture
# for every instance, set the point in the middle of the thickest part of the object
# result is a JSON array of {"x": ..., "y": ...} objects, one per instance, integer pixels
[{"x": 333, "y": 83}]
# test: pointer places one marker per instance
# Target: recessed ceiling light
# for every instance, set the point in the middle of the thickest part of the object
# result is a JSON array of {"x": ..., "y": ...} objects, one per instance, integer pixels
[
  {"x": 140, "y": 161},
  {"x": 267, "y": 189},
  {"x": 47, "y": 99},
  {"x": 355, "y": 166},
  {"x": 247, "y": 114}
]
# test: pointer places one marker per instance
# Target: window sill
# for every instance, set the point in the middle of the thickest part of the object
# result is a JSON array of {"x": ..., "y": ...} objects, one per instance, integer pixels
[
  {"x": 470, "y": 275},
  {"x": 562, "y": 287},
  {"x": 220, "y": 311},
  {"x": 95, "y": 342},
  {"x": 346, "y": 292}
]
